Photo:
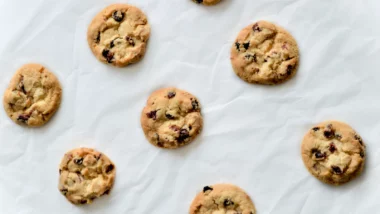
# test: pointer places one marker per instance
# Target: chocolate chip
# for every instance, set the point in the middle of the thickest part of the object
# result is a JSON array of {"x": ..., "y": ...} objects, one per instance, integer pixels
[
  {"x": 357, "y": 137},
  {"x": 159, "y": 144},
  {"x": 332, "y": 147},
  {"x": 329, "y": 132},
  {"x": 289, "y": 69},
  {"x": 207, "y": 188},
  {"x": 108, "y": 55},
  {"x": 190, "y": 127},
  {"x": 112, "y": 44},
  {"x": 118, "y": 16},
  {"x": 199, "y": 1},
  {"x": 171, "y": 94},
  {"x": 109, "y": 168},
  {"x": 23, "y": 118},
  {"x": 318, "y": 154},
  {"x": 83, "y": 201},
  {"x": 183, "y": 135},
  {"x": 237, "y": 44},
  {"x": 195, "y": 104},
  {"x": 106, "y": 192},
  {"x": 64, "y": 191},
  {"x": 336, "y": 170},
  {"x": 169, "y": 116},
  {"x": 130, "y": 40},
  {"x": 249, "y": 56},
  {"x": 60, "y": 171},
  {"x": 265, "y": 60},
  {"x": 315, "y": 129},
  {"x": 362, "y": 154},
  {"x": 228, "y": 202},
  {"x": 98, "y": 38},
  {"x": 246, "y": 45},
  {"x": 98, "y": 157},
  {"x": 152, "y": 114},
  {"x": 78, "y": 161},
  {"x": 256, "y": 27}
]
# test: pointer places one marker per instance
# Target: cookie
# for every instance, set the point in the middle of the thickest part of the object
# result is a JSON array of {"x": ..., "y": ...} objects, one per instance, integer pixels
[
  {"x": 222, "y": 199},
  {"x": 264, "y": 53},
  {"x": 85, "y": 174},
  {"x": 207, "y": 2},
  {"x": 33, "y": 95},
  {"x": 171, "y": 118},
  {"x": 118, "y": 35},
  {"x": 333, "y": 152}
]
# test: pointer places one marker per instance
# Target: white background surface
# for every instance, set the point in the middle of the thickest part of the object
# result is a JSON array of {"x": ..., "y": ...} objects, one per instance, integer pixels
[{"x": 252, "y": 133}]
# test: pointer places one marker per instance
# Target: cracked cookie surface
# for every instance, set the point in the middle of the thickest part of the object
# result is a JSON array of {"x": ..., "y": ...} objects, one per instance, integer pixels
[
  {"x": 333, "y": 152},
  {"x": 222, "y": 199},
  {"x": 118, "y": 35},
  {"x": 33, "y": 95},
  {"x": 207, "y": 2},
  {"x": 264, "y": 53},
  {"x": 171, "y": 118},
  {"x": 85, "y": 174}
]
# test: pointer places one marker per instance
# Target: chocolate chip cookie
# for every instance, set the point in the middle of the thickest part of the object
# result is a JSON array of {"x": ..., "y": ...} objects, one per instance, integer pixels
[
  {"x": 118, "y": 35},
  {"x": 333, "y": 152},
  {"x": 33, "y": 95},
  {"x": 222, "y": 199},
  {"x": 207, "y": 2},
  {"x": 85, "y": 174},
  {"x": 264, "y": 53},
  {"x": 171, "y": 118}
]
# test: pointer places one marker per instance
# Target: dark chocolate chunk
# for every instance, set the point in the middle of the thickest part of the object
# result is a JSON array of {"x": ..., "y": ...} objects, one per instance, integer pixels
[
  {"x": 207, "y": 188},
  {"x": 289, "y": 70},
  {"x": 83, "y": 201},
  {"x": 329, "y": 132},
  {"x": 332, "y": 147},
  {"x": 112, "y": 44},
  {"x": 23, "y": 118},
  {"x": 336, "y": 170},
  {"x": 246, "y": 45},
  {"x": 228, "y": 202},
  {"x": 118, "y": 16},
  {"x": 237, "y": 44},
  {"x": 169, "y": 116},
  {"x": 152, "y": 114},
  {"x": 199, "y": 1},
  {"x": 256, "y": 27},
  {"x": 183, "y": 135},
  {"x": 171, "y": 94},
  {"x": 110, "y": 168},
  {"x": 108, "y": 55},
  {"x": 315, "y": 129},
  {"x": 78, "y": 161}
]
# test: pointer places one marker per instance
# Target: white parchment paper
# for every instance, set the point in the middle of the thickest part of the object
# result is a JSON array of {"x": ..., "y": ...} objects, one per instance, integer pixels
[{"x": 252, "y": 134}]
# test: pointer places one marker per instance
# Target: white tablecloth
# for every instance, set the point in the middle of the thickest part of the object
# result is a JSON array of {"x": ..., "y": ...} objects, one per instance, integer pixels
[{"x": 252, "y": 133}]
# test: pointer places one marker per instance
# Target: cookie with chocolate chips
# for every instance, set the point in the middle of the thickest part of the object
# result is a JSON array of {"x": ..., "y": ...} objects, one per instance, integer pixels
[
  {"x": 333, "y": 152},
  {"x": 207, "y": 2},
  {"x": 33, "y": 95},
  {"x": 222, "y": 198},
  {"x": 118, "y": 35},
  {"x": 85, "y": 174},
  {"x": 264, "y": 53},
  {"x": 171, "y": 118}
]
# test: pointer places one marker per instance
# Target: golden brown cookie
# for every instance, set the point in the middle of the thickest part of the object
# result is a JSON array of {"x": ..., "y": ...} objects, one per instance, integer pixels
[
  {"x": 118, "y": 35},
  {"x": 207, "y": 2},
  {"x": 171, "y": 118},
  {"x": 264, "y": 53},
  {"x": 33, "y": 95},
  {"x": 333, "y": 152},
  {"x": 85, "y": 174},
  {"x": 222, "y": 199}
]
